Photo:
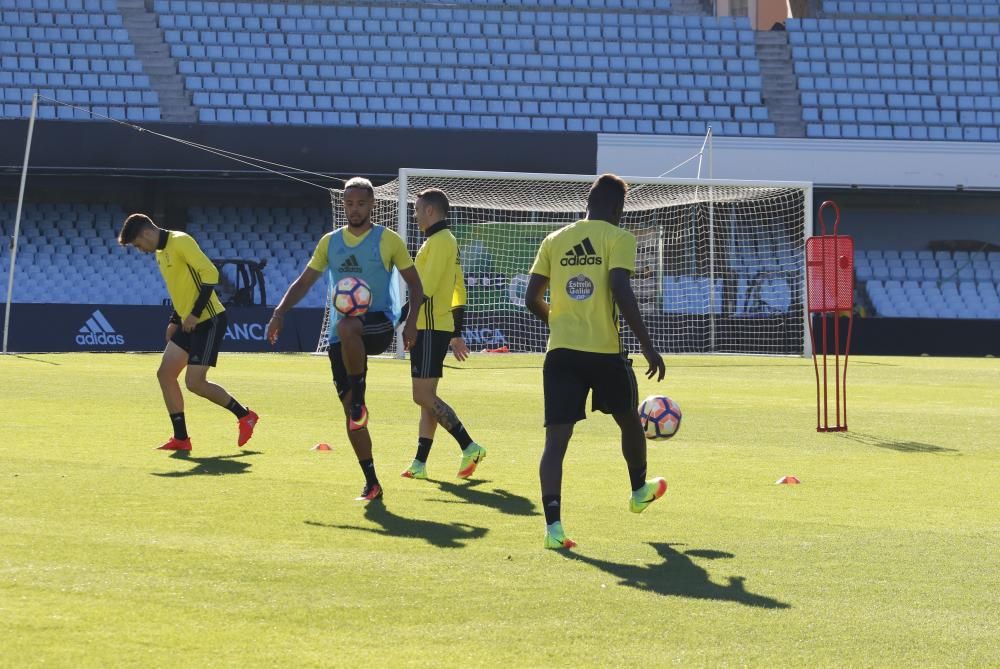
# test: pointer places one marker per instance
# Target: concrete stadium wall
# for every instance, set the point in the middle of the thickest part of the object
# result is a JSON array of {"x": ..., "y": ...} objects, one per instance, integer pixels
[{"x": 824, "y": 162}]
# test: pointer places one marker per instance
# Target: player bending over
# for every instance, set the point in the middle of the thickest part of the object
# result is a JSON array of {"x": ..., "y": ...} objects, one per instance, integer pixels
[{"x": 194, "y": 339}]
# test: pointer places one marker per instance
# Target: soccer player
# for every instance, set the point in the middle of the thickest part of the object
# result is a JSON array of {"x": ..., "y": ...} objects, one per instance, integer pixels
[
  {"x": 370, "y": 252},
  {"x": 587, "y": 266},
  {"x": 439, "y": 325},
  {"x": 196, "y": 327}
]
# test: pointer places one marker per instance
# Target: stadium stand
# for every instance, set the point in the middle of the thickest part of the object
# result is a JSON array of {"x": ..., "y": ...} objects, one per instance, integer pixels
[
  {"x": 75, "y": 51},
  {"x": 930, "y": 284},
  {"x": 975, "y": 9},
  {"x": 96, "y": 270},
  {"x": 880, "y": 77},
  {"x": 68, "y": 254},
  {"x": 868, "y": 70},
  {"x": 546, "y": 66},
  {"x": 282, "y": 236},
  {"x": 914, "y": 284}
]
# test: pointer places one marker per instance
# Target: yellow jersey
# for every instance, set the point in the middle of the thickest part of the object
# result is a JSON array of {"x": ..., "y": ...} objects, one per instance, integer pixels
[
  {"x": 185, "y": 269},
  {"x": 577, "y": 259},
  {"x": 440, "y": 271}
]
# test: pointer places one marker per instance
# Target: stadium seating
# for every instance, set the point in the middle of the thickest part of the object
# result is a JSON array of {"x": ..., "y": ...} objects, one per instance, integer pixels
[
  {"x": 533, "y": 66},
  {"x": 975, "y": 9},
  {"x": 926, "y": 284},
  {"x": 98, "y": 271},
  {"x": 69, "y": 254},
  {"x": 73, "y": 51},
  {"x": 284, "y": 237},
  {"x": 897, "y": 78}
]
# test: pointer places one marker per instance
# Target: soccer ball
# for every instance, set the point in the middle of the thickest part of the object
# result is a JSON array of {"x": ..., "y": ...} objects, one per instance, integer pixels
[
  {"x": 352, "y": 296},
  {"x": 660, "y": 417}
]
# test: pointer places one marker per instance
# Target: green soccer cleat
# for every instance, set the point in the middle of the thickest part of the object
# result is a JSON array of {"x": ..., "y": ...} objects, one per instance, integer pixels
[
  {"x": 471, "y": 457},
  {"x": 647, "y": 494},
  {"x": 417, "y": 470},
  {"x": 555, "y": 537}
]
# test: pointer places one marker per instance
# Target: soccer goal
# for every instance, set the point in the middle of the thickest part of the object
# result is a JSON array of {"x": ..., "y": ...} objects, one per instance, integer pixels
[{"x": 720, "y": 266}]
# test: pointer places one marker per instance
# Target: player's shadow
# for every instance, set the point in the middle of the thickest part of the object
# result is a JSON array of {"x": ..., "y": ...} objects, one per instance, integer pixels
[
  {"x": 442, "y": 535},
  {"x": 502, "y": 500},
  {"x": 214, "y": 466},
  {"x": 895, "y": 445},
  {"x": 679, "y": 576}
]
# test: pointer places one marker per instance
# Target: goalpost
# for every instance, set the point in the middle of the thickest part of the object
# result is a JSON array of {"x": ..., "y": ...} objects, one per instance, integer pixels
[{"x": 720, "y": 266}]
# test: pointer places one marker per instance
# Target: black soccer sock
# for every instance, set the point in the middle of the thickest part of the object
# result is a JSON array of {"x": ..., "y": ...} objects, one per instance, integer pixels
[
  {"x": 423, "y": 448},
  {"x": 368, "y": 467},
  {"x": 238, "y": 409},
  {"x": 552, "y": 505},
  {"x": 180, "y": 427},
  {"x": 461, "y": 436},
  {"x": 357, "y": 382},
  {"x": 638, "y": 477}
]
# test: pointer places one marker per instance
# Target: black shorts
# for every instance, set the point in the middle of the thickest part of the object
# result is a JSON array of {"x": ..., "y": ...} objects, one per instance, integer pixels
[
  {"x": 569, "y": 375},
  {"x": 203, "y": 343},
  {"x": 427, "y": 355},
  {"x": 377, "y": 334}
]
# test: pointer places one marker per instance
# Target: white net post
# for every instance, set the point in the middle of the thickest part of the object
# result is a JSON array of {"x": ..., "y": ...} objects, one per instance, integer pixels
[{"x": 719, "y": 268}]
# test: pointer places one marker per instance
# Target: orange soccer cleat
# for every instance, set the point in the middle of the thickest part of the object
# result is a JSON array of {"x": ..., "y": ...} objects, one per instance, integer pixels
[
  {"x": 247, "y": 424},
  {"x": 174, "y": 444}
]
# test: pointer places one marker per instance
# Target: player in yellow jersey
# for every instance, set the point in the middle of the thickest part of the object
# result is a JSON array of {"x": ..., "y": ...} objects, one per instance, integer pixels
[
  {"x": 196, "y": 328},
  {"x": 439, "y": 325},
  {"x": 587, "y": 266},
  {"x": 373, "y": 253}
]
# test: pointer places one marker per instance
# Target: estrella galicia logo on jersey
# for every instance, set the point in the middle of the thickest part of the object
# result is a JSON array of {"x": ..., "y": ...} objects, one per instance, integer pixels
[
  {"x": 97, "y": 331},
  {"x": 350, "y": 266},
  {"x": 581, "y": 254},
  {"x": 580, "y": 287}
]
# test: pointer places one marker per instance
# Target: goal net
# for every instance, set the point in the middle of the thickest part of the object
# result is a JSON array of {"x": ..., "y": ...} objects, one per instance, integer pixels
[{"x": 720, "y": 266}]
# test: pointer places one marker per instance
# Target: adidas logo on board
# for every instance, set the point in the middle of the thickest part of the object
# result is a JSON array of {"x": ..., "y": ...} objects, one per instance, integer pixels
[{"x": 98, "y": 331}]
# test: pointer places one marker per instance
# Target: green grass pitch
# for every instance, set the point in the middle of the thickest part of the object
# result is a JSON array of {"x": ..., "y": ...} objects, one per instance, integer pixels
[{"x": 114, "y": 554}]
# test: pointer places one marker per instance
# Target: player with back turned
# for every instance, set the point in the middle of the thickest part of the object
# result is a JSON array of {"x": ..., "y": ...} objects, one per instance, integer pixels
[{"x": 587, "y": 266}]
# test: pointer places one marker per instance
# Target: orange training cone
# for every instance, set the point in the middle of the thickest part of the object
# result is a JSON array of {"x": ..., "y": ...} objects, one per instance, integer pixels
[
  {"x": 321, "y": 447},
  {"x": 787, "y": 480}
]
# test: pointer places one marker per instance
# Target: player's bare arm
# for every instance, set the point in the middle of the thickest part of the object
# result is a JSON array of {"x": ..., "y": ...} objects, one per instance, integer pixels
[
  {"x": 621, "y": 289},
  {"x": 534, "y": 297},
  {"x": 299, "y": 289},
  {"x": 416, "y": 290}
]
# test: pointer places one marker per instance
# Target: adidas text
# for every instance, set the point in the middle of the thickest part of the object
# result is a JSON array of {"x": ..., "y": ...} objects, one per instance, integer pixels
[
  {"x": 93, "y": 339},
  {"x": 581, "y": 260}
]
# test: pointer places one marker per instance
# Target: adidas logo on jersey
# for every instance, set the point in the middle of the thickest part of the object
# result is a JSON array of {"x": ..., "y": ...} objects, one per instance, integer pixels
[
  {"x": 98, "y": 331},
  {"x": 350, "y": 266},
  {"x": 581, "y": 254}
]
